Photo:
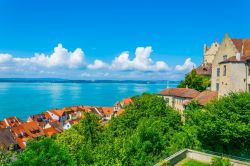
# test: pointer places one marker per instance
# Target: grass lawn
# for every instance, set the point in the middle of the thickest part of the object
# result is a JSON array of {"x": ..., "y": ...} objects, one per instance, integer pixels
[{"x": 193, "y": 163}]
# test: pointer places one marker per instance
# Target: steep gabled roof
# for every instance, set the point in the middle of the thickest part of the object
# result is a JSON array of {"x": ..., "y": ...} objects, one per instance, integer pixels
[
  {"x": 57, "y": 112},
  {"x": 242, "y": 45},
  {"x": 180, "y": 92}
]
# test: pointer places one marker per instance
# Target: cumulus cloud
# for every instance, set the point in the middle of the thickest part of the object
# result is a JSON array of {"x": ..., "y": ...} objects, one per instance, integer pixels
[
  {"x": 140, "y": 66},
  {"x": 141, "y": 62},
  {"x": 187, "y": 66},
  {"x": 98, "y": 64},
  {"x": 5, "y": 58},
  {"x": 61, "y": 57}
]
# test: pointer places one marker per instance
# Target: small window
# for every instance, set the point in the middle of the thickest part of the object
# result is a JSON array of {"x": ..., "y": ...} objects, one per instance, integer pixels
[
  {"x": 218, "y": 72},
  {"x": 225, "y": 70},
  {"x": 224, "y": 57},
  {"x": 249, "y": 70},
  {"x": 217, "y": 87}
]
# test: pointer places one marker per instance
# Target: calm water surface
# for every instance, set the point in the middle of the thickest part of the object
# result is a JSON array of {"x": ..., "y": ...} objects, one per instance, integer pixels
[{"x": 24, "y": 99}]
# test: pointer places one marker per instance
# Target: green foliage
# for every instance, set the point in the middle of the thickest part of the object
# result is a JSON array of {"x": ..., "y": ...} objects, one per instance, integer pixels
[
  {"x": 216, "y": 161},
  {"x": 43, "y": 152},
  {"x": 81, "y": 139},
  {"x": 194, "y": 81},
  {"x": 141, "y": 134},
  {"x": 224, "y": 125},
  {"x": 147, "y": 132},
  {"x": 6, "y": 157},
  {"x": 193, "y": 163},
  {"x": 164, "y": 163}
]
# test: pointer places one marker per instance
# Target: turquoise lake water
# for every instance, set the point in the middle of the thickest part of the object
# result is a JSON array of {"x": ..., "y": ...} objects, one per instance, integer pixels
[{"x": 24, "y": 99}]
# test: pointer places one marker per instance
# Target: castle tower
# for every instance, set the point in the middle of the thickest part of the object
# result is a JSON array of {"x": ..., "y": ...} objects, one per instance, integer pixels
[{"x": 210, "y": 52}]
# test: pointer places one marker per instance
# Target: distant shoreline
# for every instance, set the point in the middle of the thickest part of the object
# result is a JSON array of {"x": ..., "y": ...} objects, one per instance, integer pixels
[{"x": 45, "y": 80}]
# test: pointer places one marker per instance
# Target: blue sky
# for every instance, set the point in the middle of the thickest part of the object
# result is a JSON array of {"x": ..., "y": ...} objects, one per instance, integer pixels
[{"x": 113, "y": 39}]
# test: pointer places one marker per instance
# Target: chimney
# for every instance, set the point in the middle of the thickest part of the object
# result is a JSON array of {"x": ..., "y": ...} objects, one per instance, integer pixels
[
  {"x": 242, "y": 47},
  {"x": 238, "y": 56}
]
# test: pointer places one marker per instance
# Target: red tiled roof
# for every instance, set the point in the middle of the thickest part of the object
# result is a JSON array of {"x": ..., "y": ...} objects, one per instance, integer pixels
[
  {"x": 204, "y": 69},
  {"x": 50, "y": 131},
  {"x": 119, "y": 112},
  {"x": 2, "y": 124},
  {"x": 127, "y": 101},
  {"x": 20, "y": 143},
  {"x": 33, "y": 129},
  {"x": 180, "y": 92},
  {"x": 233, "y": 59},
  {"x": 206, "y": 96},
  {"x": 57, "y": 112},
  {"x": 107, "y": 110},
  {"x": 12, "y": 121},
  {"x": 242, "y": 45},
  {"x": 47, "y": 115}
]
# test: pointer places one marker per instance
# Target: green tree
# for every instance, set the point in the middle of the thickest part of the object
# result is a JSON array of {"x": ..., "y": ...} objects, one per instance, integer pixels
[
  {"x": 141, "y": 135},
  {"x": 6, "y": 157},
  {"x": 224, "y": 125},
  {"x": 81, "y": 139},
  {"x": 195, "y": 81},
  {"x": 44, "y": 152}
]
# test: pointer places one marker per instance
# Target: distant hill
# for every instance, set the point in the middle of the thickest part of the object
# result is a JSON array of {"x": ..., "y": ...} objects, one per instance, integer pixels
[{"x": 59, "y": 80}]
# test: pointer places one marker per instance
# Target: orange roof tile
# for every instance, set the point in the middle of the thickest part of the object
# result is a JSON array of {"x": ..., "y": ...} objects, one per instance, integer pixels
[
  {"x": 127, "y": 101},
  {"x": 242, "y": 45},
  {"x": 50, "y": 131},
  {"x": 119, "y": 112},
  {"x": 107, "y": 110},
  {"x": 3, "y": 124},
  {"x": 12, "y": 121},
  {"x": 204, "y": 69},
  {"x": 233, "y": 59},
  {"x": 57, "y": 112},
  {"x": 20, "y": 143},
  {"x": 206, "y": 96},
  {"x": 47, "y": 115},
  {"x": 180, "y": 92}
]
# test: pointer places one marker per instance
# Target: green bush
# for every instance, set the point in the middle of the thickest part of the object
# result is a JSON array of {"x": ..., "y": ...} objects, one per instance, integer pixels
[{"x": 216, "y": 161}]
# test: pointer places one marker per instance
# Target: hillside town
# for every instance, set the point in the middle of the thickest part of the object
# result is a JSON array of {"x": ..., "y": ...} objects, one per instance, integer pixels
[
  {"x": 227, "y": 64},
  {"x": 14, "y": 132}
]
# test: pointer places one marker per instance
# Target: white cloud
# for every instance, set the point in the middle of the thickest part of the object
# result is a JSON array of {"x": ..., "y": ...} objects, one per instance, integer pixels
[
  {"x": 141, "y": 62},
  {"x": 141, "y": 66},
  {"x": 61, "y": 57},
  {"x": 98, "y": 64},
  {"x": 187, "y": 66},
  {"x": 5, "y": 58}
]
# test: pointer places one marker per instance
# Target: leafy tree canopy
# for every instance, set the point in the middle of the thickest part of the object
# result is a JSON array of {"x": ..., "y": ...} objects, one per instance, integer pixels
[
  {"x": 44, "y": 151},
  {"x": 195, "y": 81}
]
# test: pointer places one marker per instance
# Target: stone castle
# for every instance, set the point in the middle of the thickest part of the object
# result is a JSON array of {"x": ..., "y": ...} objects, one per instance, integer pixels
[{"x": 228, "y": 65}]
